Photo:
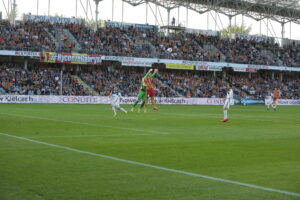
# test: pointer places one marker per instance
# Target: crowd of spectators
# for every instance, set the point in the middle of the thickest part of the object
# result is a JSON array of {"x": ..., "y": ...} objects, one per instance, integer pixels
[
  {"x": 259, "y": 85},
  {"x": 37, "y": 81},
  {"x": 29, "y": 36},
  {"x": 108, "y": 41},
  {"x": 127, "y": 80},
  {"x": 190, "y": 83},
  {"x": 44, "y": 80},
  {"x": 137, "y": 42},
  {"x": 64, "y": 44},
  {"x": 288, "y": 54},
  {"x": 194, "y": 84},
  {"x": 201, "y": 84}
]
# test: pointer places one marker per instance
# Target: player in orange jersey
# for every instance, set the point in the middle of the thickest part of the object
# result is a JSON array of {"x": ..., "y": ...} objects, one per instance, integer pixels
[
  {"x": 150, "y": 90},
  {"x": 276, "y": 94}
]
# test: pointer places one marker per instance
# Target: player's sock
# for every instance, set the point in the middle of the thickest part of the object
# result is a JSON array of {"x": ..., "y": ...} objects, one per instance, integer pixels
[
  {"x": 114, "y": 110},
  {"x": 123, "y": 110},
  {"x": 142, "y": 105},
  {"x": 225, "y": 114},
  {"x": 154, "y": 107},
  {"x": 135, "y": 103},
  {"x": 153, "y": 101},
  {"x": 146, "y": 104}
]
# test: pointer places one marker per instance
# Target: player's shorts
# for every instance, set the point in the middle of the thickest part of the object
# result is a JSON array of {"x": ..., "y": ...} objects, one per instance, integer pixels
[
  {"x": 115, "y": 103},
  {"x": 268, "y": 102},
  {"x": 150, "y": 93},
  {"x": 226, "y": 104},
  {"x": 142, "y": 95},
  {"x": 275, "y": 98}
]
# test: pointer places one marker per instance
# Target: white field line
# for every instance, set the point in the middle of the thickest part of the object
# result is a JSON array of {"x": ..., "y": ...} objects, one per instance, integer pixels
[
  {"x": 88, "y": 124},
  {"x": 157, "y": 167},
  {"x": 83, "y": 136}
]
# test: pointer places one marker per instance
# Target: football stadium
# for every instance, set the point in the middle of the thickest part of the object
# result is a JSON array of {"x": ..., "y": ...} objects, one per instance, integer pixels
[{"x": 149, "y": 99}]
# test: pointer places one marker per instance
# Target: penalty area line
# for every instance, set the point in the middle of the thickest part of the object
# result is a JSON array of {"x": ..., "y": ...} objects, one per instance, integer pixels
[{"x": 156, "y": 167}]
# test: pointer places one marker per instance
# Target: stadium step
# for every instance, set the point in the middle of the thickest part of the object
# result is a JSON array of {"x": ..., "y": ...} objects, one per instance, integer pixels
[
  {"x": 85, "y": 86},
  {"x": 73, "y": 40},
  {"x": 162, "y": 84},
  {"x": 214, "y": 50},
  {"x": 271, "y": 56},
  {"x": 57, "y": 44}
]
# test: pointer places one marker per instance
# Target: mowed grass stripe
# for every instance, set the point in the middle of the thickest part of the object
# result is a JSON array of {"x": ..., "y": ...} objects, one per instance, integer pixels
[
  {"x": 83, "y": 136},
  {"x": 87, "y": 124},
  {"x": 154, "y": 166}
]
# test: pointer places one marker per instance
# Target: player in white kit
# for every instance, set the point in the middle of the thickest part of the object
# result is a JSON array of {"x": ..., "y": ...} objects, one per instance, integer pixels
[
  {"x": 115, "y": 98},
  {"x": 228, "y": 101},
  {"x": 268, "y": 100}
]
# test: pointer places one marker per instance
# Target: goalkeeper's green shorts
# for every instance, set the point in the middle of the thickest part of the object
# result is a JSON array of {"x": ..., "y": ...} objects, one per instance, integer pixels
[{"x": 142, "y": 95}]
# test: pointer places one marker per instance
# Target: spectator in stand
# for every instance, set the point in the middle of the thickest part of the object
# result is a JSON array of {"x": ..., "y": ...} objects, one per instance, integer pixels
[
  {"x": 38, "y": 81},
  {"x": 131, "y": 41}
]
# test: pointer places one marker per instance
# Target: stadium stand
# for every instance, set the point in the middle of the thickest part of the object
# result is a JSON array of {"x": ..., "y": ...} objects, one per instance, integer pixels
[
  {"x": 29, "y": 36},
  {"x": 40, "y": 80},
  {"x": 136, "y": 42},
  {"x": 45, "y": 80},
  {"x": 127, "y": 79}
]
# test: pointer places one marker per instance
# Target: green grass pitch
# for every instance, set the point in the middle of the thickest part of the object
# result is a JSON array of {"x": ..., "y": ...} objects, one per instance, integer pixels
[{"x": 256, "y": 147}]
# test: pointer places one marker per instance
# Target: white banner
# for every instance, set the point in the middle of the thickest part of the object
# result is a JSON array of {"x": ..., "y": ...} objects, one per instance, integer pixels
[
  {"x": 208, "y": 68},
  {"x": 124, "y": 100},
  {"x": 52, "y": 19},
  {"x": 147, "y": 62},
  {"x": 136, "y": 63},
  {"x": 53, "y": 99},
  {"x": 19, "y": 53},
  {"x": 253, "y": 37},
  {"x": 103, "y": 100},
  {"x": 203, "y": 32}
]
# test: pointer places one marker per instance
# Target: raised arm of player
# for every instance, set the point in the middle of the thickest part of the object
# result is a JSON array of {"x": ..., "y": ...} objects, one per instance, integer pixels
[
  {"x": 154, "y": 73},
  {"x": 147, "y": 75}
]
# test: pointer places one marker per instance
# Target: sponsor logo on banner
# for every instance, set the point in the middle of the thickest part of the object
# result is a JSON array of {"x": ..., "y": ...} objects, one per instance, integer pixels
[
  {"x": 253, "y": 37},
  {"x": 73, "y": 58},
  {"x": 208, "y": 68},
  {"x": 18, "y": 99},
  {"x": 202, "y": 68},
  {"x": 247, "y": 101},
  {"x": 136, "y": 63},
  {"x": 27, "y": 53},
  {"x": 20, "y": 53},
  {"x": 127, "y": 25},
  {"x": 238, "y": 69},
  {"x": 103, "y": 100},
  {"x": 52, "y": 19},
  {"x": 251, "y": 70},
  {"x": 288, "y": 102},
  {"x": 128, "y": 100},
  {"x": 179, "y": 66},
  {"x": 76, "y": 58}
]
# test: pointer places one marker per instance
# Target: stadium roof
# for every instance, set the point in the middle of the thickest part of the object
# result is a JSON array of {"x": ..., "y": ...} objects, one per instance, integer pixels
[{"x": 281, "y": 11}]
